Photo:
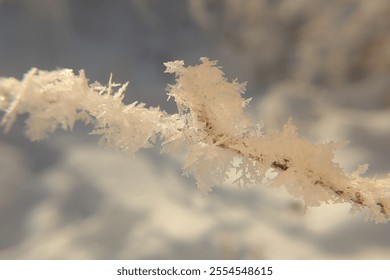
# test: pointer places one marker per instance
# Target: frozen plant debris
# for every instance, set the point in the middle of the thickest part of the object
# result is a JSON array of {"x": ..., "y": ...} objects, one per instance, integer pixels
[{"x": 211, "y": 130}]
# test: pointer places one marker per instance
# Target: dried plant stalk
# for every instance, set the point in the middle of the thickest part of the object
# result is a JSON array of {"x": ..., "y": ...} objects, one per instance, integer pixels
[{"x": 210, "y": 129}]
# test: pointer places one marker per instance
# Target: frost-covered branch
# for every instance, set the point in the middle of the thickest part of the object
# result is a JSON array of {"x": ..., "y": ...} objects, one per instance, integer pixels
[
  {"x": 60, "y": 98},
  {"x": 210, "y": 129}
]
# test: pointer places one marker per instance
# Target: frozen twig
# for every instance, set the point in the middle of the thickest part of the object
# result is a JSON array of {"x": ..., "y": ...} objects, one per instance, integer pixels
[{"x": 210, "y": 129}]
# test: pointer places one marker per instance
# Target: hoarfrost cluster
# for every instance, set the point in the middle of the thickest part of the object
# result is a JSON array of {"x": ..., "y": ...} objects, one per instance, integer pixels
[{"x": 211, "y": 130}]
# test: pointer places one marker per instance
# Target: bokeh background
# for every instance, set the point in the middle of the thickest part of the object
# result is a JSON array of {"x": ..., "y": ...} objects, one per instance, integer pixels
[{"x": 324, "y": 63}]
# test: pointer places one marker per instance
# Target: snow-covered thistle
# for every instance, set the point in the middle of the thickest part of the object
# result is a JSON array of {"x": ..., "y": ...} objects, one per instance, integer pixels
[{"x": 210, "y": 129}]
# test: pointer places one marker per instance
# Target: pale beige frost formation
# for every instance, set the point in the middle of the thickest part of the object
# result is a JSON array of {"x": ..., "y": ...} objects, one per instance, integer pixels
[{"x": 210, "y": 129}]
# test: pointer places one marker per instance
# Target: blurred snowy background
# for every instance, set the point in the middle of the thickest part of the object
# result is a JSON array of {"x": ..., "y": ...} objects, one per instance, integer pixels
[{"x": 325, "y": 63}]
